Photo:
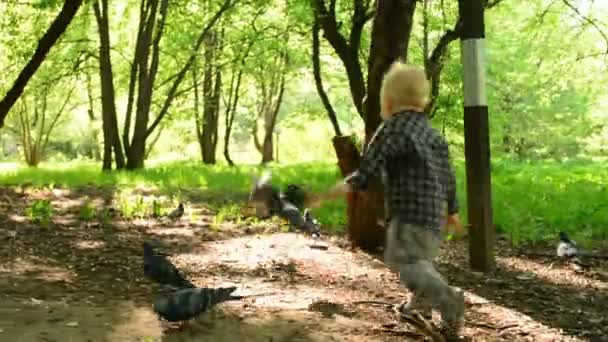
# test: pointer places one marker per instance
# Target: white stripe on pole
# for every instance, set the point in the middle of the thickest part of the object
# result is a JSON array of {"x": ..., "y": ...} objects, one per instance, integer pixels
[{"x": 473, "y": 61}]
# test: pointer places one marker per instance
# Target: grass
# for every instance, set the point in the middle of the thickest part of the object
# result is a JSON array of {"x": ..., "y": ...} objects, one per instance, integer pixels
[{"x": 532, "y": 201}]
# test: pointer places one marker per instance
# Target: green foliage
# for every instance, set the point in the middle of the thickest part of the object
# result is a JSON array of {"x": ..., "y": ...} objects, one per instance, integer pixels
[
  {"x": 40, "y": 211},
  {"x": 229, "y": 212},
  {"x": 131, "y": 205},
  {"x": 87, "y": 211},
  {"x": 532, "y": 201},
  {"x": 156, "y": 208}
]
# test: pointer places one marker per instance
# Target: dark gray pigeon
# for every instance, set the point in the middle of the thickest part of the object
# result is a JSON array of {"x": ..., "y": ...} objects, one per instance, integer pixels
[
  {"x": 177, "y": 212},
  {"x": 286, "y": 204},
  {"x": 159, "y": 269},
  {"x": 186, "y": 304},
  {"x": 298, "y": 221},
  {"x": 312, "y": 224}
]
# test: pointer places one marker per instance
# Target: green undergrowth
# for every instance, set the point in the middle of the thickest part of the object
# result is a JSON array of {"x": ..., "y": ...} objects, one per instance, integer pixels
[{"x": 531, "y": 201}]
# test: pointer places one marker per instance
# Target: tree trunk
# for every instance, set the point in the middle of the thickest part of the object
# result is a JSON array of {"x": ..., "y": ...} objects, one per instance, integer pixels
[
  {"x": 271, "y": 86},
  {"x": 267, "y": 149},
  {"x": 58, "y": 26},
  {"x": 391, "y": 30},
  {"x": 233, "y": 99},
  {"x": 316, "y": 66},
  {"x": 95, "y": 153},
  {"x": 111, "y": 138},
  {"x": 346, "y": 49},
  {"x": 143, "y": 75},
  {"x": 212, "y": 82},
  {"x": 147, "y": 56},
  {"x": 271, "y": 122}
]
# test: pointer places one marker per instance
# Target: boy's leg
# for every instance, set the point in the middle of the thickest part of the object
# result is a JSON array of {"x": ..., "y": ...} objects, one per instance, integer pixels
[{"x": 410, "y": 250}]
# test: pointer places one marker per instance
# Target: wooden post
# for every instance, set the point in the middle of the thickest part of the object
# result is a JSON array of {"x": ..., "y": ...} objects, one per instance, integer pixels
[{"x": 477, "y": 142}]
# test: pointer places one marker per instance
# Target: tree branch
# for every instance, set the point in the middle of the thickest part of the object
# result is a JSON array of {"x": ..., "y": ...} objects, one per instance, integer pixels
[
  {"x": 588, "y": 20},
  {"x": 434, "y": 64},
  {"x": 180, "y": 76},
  {"x": 55, "y": 30},
  {"x": 316, "y": 66}
]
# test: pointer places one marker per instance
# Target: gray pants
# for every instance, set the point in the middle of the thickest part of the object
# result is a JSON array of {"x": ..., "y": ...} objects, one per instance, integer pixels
[{"x": 410, "y": 249}]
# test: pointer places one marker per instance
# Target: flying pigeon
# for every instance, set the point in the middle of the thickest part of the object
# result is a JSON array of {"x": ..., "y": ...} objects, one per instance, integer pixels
[
  {"x": 186, "y": 304},
  {"x": 265, "y": 196},
  {"x": 295, "y": 195},
  {"x": 159, "y": 269}
]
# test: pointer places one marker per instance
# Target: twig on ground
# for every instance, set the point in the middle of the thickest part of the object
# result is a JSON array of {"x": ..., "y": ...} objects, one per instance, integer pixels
[
  {"x": 255, "y": 295},
  {"x": 483, "y": 325},
  {"x": 421, "y": 324},
  {"x": 372, "y": 302},
  {"x": 507, "y": 326}
]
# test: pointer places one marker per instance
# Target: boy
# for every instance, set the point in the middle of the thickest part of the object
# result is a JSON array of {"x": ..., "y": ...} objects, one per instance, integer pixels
[{"x": 412, "y": 159}]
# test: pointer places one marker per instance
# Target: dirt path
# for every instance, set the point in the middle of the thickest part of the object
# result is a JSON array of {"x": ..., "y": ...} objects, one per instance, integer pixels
[{"x": 83, "y": 282}]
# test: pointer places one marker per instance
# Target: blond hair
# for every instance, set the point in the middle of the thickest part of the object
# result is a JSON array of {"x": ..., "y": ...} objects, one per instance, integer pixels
[{"x": 404, "y": 87}]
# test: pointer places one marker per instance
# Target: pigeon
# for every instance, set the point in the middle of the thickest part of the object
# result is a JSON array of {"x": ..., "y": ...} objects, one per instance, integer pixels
[
  {"x": 159, "y": 269},
  {"x": 177, "y": 212},
  {"x": 266, "y": 196},
  {"x": 312, "y": 223},
  {"x": 566, "y": 247},
  {"x": 185, "y": 304},
  {"x": 286, "y": 205},
  {"x": 294, "y": 194}
]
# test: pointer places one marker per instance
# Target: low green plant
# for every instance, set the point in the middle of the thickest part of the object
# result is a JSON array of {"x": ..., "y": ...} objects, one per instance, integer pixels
[
  {"x": 87, "y": 211},
  {"x": 40, "y": 211}
]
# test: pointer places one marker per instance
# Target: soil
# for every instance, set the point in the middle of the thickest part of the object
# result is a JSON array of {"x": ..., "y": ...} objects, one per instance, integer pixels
[{"x": 71, "y": 280}]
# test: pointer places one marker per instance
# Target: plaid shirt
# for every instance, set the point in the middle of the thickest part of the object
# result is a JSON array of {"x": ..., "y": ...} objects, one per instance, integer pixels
[{"x": 413, "y": 161}]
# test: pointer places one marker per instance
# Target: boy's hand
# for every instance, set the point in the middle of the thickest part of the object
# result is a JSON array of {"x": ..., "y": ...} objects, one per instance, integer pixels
[
  {"x": 337, "y": 191},
  {"x": 454, "y": 226}
]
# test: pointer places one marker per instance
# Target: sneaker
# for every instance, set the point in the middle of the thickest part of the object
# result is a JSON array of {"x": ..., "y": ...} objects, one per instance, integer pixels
[
  {"x": 450, "y": 328},
  {"x": 405, "y": 307}
]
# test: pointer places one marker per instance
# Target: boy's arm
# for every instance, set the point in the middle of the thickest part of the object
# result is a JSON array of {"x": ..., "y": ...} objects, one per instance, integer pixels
[{"x": 382, "y": 145}]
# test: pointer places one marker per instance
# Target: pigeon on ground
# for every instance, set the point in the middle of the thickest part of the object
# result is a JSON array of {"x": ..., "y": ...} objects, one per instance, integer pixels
[
  {"x": 567, "y": 248},
  {"x": 159, "y": 269},
  {"x": 283, "y": 204},
  {"x": 186, "y": 304},
  {"x": 177, "y": 212},
  {"x": 312, "y": 224}
]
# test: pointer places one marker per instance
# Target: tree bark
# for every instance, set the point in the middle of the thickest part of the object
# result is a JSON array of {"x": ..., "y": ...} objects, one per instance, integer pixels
[
  {"x": 95, "y": 153},
  {"x": 270, "y": 124},
  {"x": 271, "y": 85},
  {"x": 58, "y": 26},
  {"x": 346, "y": 49},
  {"x": 147, "y": 67},
  {"x": 391, "y": 31},
  {"x": 212, "y": 82},
  {"x": 233, "y": 99},
  {"x": 316, "y": 66},
  {"x": 111, "y": 138}
]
